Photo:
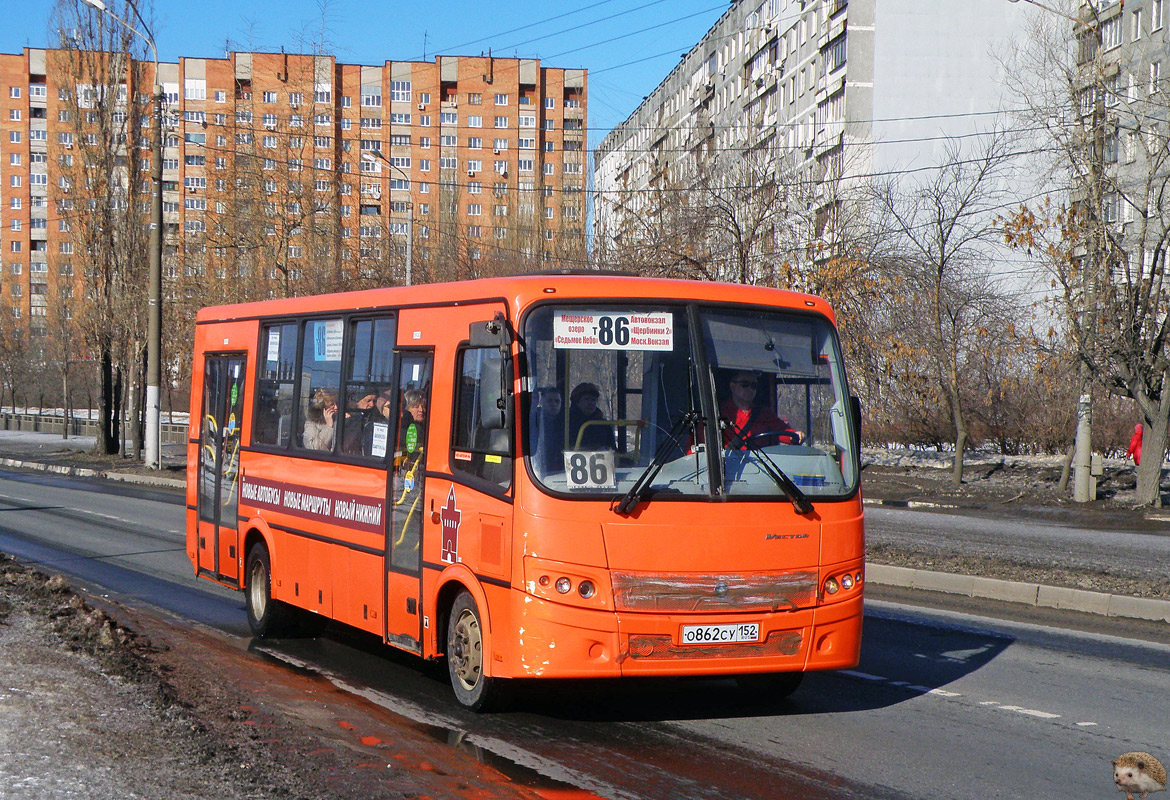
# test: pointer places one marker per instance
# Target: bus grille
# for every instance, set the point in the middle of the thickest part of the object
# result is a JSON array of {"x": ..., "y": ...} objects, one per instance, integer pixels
[
  {"x": 778, "y": 643},
  {"x": 745, "y": 592}
]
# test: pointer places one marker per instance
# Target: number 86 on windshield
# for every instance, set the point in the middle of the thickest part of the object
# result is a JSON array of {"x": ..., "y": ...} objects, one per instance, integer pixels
[{"x": 590, "y": 470}]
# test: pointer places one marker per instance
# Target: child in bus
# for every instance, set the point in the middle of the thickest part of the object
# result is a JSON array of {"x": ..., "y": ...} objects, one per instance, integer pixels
[{"x": 320, "y": 418}]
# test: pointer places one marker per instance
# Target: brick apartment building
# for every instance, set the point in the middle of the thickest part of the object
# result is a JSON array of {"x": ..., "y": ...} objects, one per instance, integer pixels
[{"x": 480, "y": 162}]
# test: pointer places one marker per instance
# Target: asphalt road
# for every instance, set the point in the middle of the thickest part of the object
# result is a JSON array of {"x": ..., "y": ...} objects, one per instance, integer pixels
[
  {"x": 943, "y": 705},
  {"x": 1141, "y": 552}
]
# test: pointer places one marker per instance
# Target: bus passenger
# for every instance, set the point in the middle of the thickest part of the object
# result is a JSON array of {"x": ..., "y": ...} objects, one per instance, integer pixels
[
  {"x": 320, "y": 417},
  {"x": 583, "y": 408},
  {"x": 414, "y": 414},
  {"x": 550, "y": 429},
  {"x": 750, "y": 418},
  {"x": 410, "y": 467},
  {"x": 371, "y": 410}
]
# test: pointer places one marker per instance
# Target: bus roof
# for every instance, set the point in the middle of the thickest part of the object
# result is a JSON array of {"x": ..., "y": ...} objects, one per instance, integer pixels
[{"x": 518, "y": 292}]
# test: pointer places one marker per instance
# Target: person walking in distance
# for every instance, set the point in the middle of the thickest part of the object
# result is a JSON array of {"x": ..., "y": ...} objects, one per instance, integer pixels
[{"x": 1135, "y": 445}]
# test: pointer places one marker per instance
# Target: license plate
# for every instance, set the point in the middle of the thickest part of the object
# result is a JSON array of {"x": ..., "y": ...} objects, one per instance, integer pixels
[{"x": 721, "y": 634}]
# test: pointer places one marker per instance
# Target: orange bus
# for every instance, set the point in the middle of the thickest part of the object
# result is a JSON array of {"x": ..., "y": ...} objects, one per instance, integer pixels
[{"x": 546, "y": 476}]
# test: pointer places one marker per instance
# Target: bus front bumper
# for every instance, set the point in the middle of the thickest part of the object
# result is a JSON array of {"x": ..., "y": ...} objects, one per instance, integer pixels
[{"x": 558, "y": 641}]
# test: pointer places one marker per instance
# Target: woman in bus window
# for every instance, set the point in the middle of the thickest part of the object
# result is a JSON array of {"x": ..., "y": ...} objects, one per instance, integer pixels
[
  {"x": 320, "y": 417},
  {"x": 583, "y": 408}
]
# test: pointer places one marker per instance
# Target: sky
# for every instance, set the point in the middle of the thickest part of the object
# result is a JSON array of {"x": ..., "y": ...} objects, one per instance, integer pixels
[{"x": 628, "y": 46}]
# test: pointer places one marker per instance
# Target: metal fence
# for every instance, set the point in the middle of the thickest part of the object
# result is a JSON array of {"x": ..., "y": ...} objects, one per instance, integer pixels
[{"x": 172, "y": 432}]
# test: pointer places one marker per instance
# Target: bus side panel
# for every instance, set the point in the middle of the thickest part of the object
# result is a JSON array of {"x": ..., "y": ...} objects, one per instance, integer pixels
[
  {"x": 358, "y": 602},
  {"x": 842, "y": 536},
  {"x": 322, "y": 560}
]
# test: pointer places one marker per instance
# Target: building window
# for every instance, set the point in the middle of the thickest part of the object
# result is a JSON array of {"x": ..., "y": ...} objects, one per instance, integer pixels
[
  {"x": 475, "y": 122},
  {"x": 194, "y": 89},
  {"x": 400, "y": 91},
  {"x": 501, "y": 122},
  {"x": 1111, "y": 33},
  {"x": 501, "y": 99},
  {"x": 372, "y": 100},
  {"x": 1155, "y": 14},
  {"x": 527, "y": 121},
  {"x": 1155, "y": 76},
  {"x": 269, "y": 97},
  {"x": 474, "y": 209},
  {"x": 14, "y": 92}
]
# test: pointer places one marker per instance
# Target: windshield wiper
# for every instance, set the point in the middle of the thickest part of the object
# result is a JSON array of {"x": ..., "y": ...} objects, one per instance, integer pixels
[
  {"x": 800, "y": 501},
  {"x": 631, "y": 498}
]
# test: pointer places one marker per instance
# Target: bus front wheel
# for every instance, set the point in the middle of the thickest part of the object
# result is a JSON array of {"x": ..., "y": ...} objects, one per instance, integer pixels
[
  {"x": 266, "y": 616},
  {"x": 466, "y": 657}
]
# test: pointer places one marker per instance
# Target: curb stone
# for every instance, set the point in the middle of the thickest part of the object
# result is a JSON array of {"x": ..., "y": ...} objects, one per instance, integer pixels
[
  {"x": 1033, "y": 594},
  {"x": 86, "y": 472}
]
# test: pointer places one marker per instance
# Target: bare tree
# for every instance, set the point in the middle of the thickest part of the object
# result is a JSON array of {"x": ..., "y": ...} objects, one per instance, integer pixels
[
  {"x": 1103, "y": 111},
  {"x": 102, "y": 196},
  {"x": 942, "y": 228}
]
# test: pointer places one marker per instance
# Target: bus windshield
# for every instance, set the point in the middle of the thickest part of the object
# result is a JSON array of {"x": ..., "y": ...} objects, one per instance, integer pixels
[{"x": 625, "y": 398}]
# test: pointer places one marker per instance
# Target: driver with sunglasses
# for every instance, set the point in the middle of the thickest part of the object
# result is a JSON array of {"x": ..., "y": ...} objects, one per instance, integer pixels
[{"x": 750, "y": 418}]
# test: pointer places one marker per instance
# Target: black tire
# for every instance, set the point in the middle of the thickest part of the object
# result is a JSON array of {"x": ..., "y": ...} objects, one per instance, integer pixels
[
  {"x": 266, "y": 616},
  {"x": 466, "y": 658},
  {"x": 771, "y": 685}
]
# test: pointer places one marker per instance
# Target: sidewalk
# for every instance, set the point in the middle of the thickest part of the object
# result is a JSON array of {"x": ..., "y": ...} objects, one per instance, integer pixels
[{"x": 74, "y": 456}]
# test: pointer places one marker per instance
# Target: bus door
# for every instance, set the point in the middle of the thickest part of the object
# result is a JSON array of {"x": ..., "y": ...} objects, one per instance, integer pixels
[
  {"x": 219, "y": 464},
  {"x": 408, "y": 498}
]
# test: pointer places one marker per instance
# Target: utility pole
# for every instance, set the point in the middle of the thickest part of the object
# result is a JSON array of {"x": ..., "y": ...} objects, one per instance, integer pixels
[
  {"x": 375, "y": 156},
  {"x": 1083, "y": 484}
]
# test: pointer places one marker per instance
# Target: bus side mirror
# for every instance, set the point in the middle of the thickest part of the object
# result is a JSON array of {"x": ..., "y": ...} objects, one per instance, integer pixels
[
  {"x": 855, "y": 410},
  {"x": 495, "y": 332},
  {"x": 495, "y": 401}
]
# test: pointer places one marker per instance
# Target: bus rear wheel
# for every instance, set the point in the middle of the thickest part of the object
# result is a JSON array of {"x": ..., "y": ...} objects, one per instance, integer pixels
[
  {"x": 466, "y": 657},
  {"x": 266, "y": 616}
]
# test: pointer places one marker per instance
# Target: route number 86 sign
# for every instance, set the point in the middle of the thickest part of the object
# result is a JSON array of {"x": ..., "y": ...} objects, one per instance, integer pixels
[{"x": 590, "y": 470}]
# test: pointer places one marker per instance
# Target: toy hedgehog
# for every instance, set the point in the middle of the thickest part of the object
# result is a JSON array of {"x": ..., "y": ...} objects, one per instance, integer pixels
[{"x": 1138, "y": 773}]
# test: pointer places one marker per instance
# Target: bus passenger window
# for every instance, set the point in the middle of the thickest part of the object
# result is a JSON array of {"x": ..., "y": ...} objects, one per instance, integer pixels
[
  {"x": 274, "y": 394},
  {"x": 366, "y": 426},
  {"x": 320, "y": 371},
  {"x": 483, "y": 437}
]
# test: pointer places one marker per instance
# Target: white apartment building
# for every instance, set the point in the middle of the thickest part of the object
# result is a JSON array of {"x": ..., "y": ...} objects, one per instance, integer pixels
[{"x": 832, "y": 89}]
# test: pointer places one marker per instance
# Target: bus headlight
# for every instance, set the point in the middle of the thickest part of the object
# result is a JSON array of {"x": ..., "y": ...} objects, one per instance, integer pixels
[{"x": 586, "y": 587}]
